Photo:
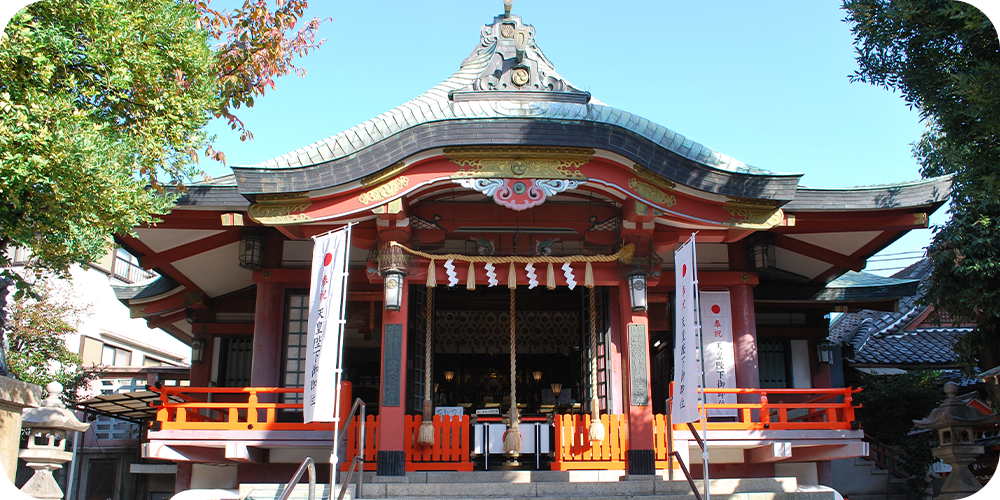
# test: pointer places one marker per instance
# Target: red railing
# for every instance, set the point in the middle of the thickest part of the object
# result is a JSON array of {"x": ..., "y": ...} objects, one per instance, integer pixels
[
  {"x": 573, "y": 449},
  {"x": 194, "y": 414},
  {"x": 450, "y": 450},
  {"x": 785, "y": 409},
  {"x": 777, "y": 409},
  {"x": 180, "y": 410}
]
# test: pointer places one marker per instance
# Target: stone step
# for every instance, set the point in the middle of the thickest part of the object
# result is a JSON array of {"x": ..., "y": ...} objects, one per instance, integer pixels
[
  {"x": 722, "y": 489},
  {"x": 780, "y": 484}
]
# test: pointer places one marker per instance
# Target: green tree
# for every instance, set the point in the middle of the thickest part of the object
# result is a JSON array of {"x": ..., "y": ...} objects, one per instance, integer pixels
[
  {"x": 103, "y": 102},
  {"x": 890, "y": 404},
  {"x": 943, "y": 57},
  {"x": 37, "y": 332}
]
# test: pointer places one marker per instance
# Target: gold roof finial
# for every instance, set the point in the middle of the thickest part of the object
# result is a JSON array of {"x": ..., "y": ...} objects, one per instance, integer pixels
[{"x": 506, "y": 7}]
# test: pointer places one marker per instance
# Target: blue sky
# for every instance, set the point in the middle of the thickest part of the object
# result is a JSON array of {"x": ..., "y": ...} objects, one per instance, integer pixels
[{"x": 765, "y": 82}]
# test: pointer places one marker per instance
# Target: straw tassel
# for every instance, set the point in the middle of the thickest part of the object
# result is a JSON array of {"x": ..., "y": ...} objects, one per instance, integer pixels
[
  {"x": 431, "y": 275},
  {"x": 470, "y": 283},
  {"x": 550, "y": 278},
  {"x": 596, "y": 426},
  {"x": 588, "y": 276},
  {"x": 425, "y": 435},
  {"x": 512, "y": 277},
  {"x": 512, "y": 438}
]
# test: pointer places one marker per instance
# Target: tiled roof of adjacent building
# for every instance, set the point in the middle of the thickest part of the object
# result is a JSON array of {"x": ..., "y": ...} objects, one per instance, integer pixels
[{"x": 879, "y": 337}]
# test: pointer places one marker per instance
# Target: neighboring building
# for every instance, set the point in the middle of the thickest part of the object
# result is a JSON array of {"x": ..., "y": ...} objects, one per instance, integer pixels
[
  {"x": 128, "y": 352},
  {"x": 508, "y": 160},
  {"x": 895, "y": 341}
]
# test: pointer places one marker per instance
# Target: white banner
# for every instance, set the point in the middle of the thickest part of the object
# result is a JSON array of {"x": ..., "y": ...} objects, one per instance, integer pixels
[
  {"x": 326, "y": 326},
  {"x": 686, "y": 379},
  {"x": 720, "y": 358}
]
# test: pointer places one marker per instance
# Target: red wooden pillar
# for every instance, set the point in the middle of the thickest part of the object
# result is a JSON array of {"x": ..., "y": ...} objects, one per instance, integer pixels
[
  {"x": 391, "y": 459},
  {"x": 745, "y": 340},
  {"x": 265, "y": 367},
  {"x": 640, "y": 456}
]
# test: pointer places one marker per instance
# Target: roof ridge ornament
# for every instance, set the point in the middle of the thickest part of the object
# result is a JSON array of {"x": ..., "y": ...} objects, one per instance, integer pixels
[{"x": 515, "y": 67}]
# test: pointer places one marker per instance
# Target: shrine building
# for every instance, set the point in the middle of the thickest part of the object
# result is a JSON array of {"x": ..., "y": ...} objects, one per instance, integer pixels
[{"x": 506, "y": 195}]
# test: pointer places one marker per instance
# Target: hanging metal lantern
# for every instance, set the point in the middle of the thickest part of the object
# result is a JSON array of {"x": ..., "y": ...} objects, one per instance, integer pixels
[
  {"x": 637, "y": 292},
  {"x": 393, "y": 283},
  {"x": 762, "y": 251},
  {"x": 394, "y": 264},
  {"x": 251, "y": 251},
  {"x": 644, "y": 263},
  {"x": 197, "y": 350}
]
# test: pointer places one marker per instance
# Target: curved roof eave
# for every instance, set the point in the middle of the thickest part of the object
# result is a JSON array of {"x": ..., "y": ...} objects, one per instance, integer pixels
[
  {"x": 931, "y": 192},
  {"x": 434, "y": 120}
]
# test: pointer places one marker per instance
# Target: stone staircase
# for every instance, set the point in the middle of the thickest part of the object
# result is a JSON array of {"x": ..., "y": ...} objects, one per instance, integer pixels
[{"x": 503, "y": 485}]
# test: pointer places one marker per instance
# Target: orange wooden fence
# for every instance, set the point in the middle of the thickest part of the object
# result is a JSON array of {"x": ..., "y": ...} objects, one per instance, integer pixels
[
  {"x": 193, "y": 414},
  {"x": 777, "y": 409},
  {"x": 810, "y": 409},
  {"x": 450, "y": 450},
  {"x": 574, "y": 451},
  {"x": 371, "y": 442}
]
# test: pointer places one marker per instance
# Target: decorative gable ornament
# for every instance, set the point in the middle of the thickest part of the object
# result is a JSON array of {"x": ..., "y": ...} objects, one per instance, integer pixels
[{"x": 516, "y": 67}]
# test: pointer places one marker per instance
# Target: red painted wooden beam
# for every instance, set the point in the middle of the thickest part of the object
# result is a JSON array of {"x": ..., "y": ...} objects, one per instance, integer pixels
[
  {"x": 834, "y": 222},
  {"x": 873, "y": 246},
  {"x": 136, "y": 246},
  {"x": 711, "y": 279},
  {"x": 168, "y": 319},
  {"x": 819, "y": 253},
  {"x": 189, "y": 249},
  {"x": 223, "y": 328}
]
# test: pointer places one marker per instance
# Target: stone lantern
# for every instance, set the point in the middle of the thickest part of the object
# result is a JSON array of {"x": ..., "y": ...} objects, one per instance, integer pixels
[
  {"x": 46, "y": 452},
  {"x": 954, "y": 422}
]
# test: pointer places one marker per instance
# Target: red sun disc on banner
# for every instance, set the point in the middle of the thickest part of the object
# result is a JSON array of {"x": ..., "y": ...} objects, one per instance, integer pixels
[
  {"x": 684, "y": 270},
  {"x": 328, "y": 259},
  {"x": 716, "y": 309}
]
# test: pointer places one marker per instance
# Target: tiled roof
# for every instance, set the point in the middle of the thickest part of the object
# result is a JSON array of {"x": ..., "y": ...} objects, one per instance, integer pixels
[
  {"x": 439, "y": 118},
  {"x": 878, "y": 337},
  {"x": 921, "y": 346},
  {"x": 932, "y": 191},
  {"x": 156, "y": 287},
  {"x": 850, "y": 287},
  {"x": 435, "y": 105},
  {"x": 220, "y": 192}
]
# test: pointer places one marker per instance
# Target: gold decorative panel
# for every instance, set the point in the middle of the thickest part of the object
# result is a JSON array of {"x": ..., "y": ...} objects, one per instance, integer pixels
[
  {"x": 653, "y": 178},
  {"x": 275, "y": 210},
  {"x": 387, "y": 190},
  {"x": 752, "y": 214},
  {"x": 489, "y": 162},
  {"x": 651, "y": 192}
]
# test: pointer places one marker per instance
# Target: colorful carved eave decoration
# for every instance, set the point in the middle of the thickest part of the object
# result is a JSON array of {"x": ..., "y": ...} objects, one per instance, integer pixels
[{"x": 517, "y": 178}]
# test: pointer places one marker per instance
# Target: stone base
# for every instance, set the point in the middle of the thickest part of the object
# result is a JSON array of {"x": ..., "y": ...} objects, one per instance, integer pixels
[
  {"x": 640, "y": 462},
  {"x": 390, "y": 479},
  {"x": 391, "y": 463},
  {"x": 14, "y": 397},
  {"x": 641, "y": 477}
]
